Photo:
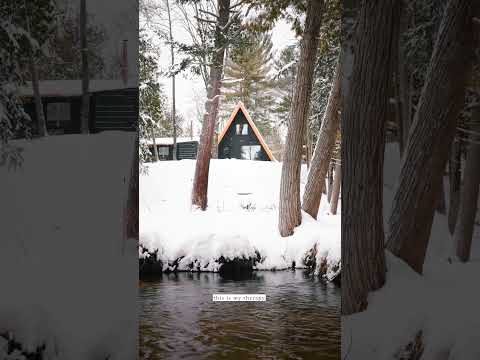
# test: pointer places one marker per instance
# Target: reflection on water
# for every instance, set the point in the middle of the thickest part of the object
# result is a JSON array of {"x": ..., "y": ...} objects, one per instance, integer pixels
[{"x": 299, "y": 320}]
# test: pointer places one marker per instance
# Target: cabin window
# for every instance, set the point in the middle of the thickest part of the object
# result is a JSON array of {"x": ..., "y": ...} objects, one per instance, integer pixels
[
  {"x": 241, "y": 129},
  {"x": 251, "y": 152},
  {"x": 58, "y": 113}
]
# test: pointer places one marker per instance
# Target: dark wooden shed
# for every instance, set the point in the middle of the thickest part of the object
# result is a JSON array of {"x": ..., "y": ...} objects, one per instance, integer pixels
[
  {"x": 186, "y": 148},
  {"x": 113, "y": 105},
  {"x": 241, "y": 139}
]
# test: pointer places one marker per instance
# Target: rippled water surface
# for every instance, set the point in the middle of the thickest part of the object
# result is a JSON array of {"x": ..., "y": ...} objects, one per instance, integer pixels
[{"x": 299, "y": 320}]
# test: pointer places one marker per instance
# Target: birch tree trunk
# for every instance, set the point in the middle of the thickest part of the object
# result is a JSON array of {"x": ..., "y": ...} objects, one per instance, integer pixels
[
  {"x": 431, "y": 135},
  {"x": 363, "y": 143},
  {"x": 290, "y": 214},
  {"x": 172, "y": 58},
  {"x": 84, "y": 117},
  {"x": 200, "y": 180},
  {"x": 469, "y": 198},
  {"x": 323, "y": 149},
  {"x": 337, "y": 181}
]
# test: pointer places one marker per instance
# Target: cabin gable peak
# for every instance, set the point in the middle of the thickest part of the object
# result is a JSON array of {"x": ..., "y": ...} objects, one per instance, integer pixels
[{"x": 256, "y": 138}]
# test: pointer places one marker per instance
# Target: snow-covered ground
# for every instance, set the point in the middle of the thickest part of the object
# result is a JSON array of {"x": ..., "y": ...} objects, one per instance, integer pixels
[
  {"x": 241, "y": 218},
  {"x": 68, "y": 275},
  {"x": 442, "y": 303}
]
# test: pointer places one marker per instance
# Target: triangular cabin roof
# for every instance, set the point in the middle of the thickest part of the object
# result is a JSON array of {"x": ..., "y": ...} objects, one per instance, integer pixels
[{"x": 231, "y": 119}]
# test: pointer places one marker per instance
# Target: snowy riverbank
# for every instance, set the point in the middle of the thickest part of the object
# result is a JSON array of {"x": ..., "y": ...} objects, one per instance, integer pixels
[
  {"x": 240, "y": 222},
  {"x": 68, "y": 275}
]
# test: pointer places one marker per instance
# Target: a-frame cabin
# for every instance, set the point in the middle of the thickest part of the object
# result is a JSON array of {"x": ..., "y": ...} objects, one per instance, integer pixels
[{"x": 241, "y": 139}]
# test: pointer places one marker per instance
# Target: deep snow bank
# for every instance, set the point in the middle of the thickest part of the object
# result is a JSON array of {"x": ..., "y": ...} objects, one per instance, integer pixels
[
  {"x": 241, "y": 219},
  {"x": 68, "y": 275}
]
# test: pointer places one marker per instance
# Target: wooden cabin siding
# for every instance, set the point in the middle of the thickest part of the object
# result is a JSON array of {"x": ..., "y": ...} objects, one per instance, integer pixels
[
  {"x": 109, "y": 110},
  {"x": 115, "y": 110},
  {"x": 231, "y": 144},
  {"x": 187, "y": 150}
]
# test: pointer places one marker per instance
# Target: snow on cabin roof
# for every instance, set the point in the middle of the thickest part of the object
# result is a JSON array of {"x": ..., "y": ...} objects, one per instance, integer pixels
[
  {"x": 169, "y": 140},
  {"x": 74, "y": 87}
]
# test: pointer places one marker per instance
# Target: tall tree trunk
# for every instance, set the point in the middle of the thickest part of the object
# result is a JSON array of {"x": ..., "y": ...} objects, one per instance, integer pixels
[
  {"x": 441, "y": 205},
  {"x": 336, "y": 189},
  {"x": 307, "y": 146},
  {"x": 85, "y": 112},
  {"x": 200, "y": 180},
  {"x": 324, "y": 149},
  {"x": 454, "y": 174},
  {"x": 172, "y": 58},
  {"x": 330, "y": 181},
  {"x": 431, "y": 135},
  {"x": 290, "y": 214},
  {"x": 363, "y": 143},
  {"x": 469, "y": 198},
  {"x": 155, "y": 149},
  {"x": 37, "y": 97},
  {"x": 42, "y": 124}
]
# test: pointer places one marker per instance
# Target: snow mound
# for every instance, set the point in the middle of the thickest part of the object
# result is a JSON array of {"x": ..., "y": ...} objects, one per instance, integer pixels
[
  {"x": 67, "y": 268},
  {"x": 241, "y": 219}
]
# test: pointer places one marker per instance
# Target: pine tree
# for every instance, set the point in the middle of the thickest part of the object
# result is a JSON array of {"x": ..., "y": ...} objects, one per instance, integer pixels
[
  {"x": 39, "y": 20},
  {"x": 285, "y": 71},
  {"x": 247, "y": 79},
  {"x": 153, "y": 118},
  {"x": 64, "y": 49},
  {"x": 19, "y": 44}
]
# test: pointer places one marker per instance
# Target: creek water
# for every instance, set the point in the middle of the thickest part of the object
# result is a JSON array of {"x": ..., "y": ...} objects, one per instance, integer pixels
[{"x": 300, "y": 318}]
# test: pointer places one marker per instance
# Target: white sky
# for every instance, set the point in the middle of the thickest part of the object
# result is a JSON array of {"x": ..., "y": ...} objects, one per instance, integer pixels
[{"x": 190, "y": 93}]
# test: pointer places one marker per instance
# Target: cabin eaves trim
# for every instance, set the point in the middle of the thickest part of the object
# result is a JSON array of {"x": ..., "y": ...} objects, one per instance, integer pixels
[{"x": 259, "y": 136}]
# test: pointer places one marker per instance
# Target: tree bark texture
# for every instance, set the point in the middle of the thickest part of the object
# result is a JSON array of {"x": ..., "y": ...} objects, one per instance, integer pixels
[
  {"x": 337, "y": 181},
  {"x": 330, "y": 182},
  {"x": 469, "y": 197},
  {"x": 323, "y": 149},
  {"x": 431, "y": 135},
  {"x": 200, "y": 181},
  {"x": 363, "y": 143},
  {"x": 454, "y": 174},
  {"x": 290, "y": 214}
]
